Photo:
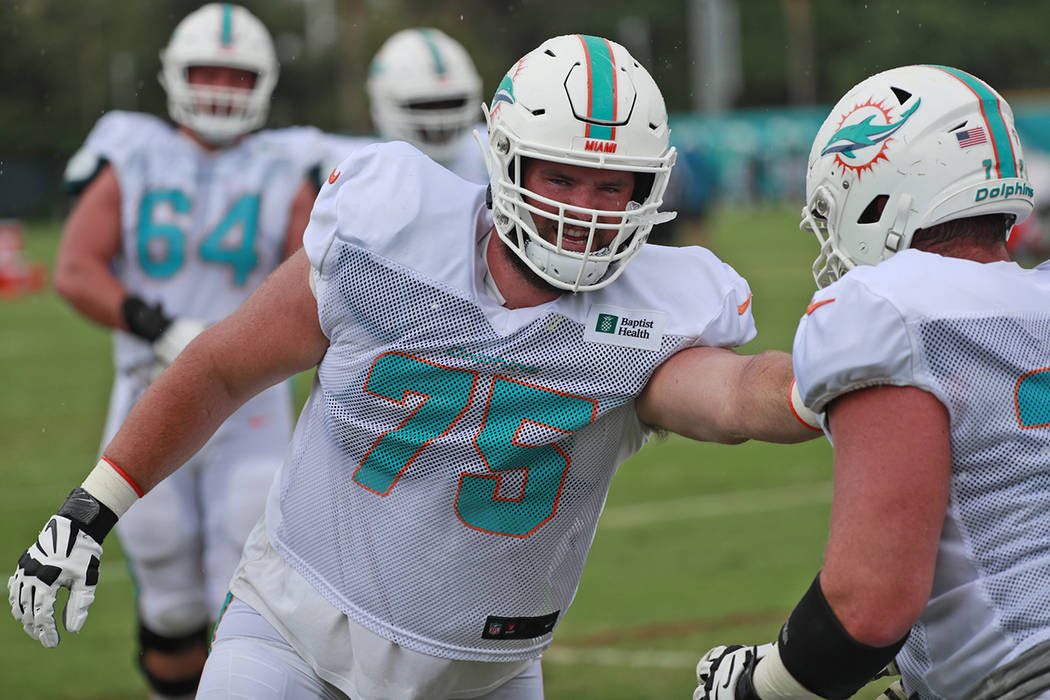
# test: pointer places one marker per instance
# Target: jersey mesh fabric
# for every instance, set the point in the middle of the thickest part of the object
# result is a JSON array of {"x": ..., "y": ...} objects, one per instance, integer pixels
[
  {"x": 976, "y": 336},
  {"x": 995, "y": 374},
  {"x": 477, "y": 494}
]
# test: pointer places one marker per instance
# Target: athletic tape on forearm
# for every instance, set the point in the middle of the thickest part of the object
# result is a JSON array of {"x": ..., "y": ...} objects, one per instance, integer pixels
[
  {"x": 772, "y": 680},
  {"x": 821, "y": 655},
  {"x": 805, "y": 416},
  {"x": 112, "y": 487}
]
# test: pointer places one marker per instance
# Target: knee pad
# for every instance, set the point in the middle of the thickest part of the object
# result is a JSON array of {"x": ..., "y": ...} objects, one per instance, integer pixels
[{"x": 151, "y": 641}]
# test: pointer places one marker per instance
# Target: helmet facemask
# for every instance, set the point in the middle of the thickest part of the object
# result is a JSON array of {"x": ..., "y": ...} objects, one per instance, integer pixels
[{"x": 538, "y": 122}]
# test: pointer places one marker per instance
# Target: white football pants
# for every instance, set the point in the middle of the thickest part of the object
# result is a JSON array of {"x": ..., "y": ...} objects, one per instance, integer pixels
[
  {"x": 250, "y": 659},
  {"x": 184, "y": 538}
]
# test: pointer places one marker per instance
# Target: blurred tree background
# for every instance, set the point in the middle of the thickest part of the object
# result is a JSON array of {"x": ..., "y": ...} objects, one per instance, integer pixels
[{"x": 62, "y": 64}]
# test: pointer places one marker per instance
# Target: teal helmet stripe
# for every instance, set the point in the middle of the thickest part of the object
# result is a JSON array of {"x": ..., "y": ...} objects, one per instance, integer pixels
[
  {"x": 991, "y": 110},
  {"x": 439, "y": 63},
  {"x": 601, "y": 80},
  {"x": 227, "y": 24}
]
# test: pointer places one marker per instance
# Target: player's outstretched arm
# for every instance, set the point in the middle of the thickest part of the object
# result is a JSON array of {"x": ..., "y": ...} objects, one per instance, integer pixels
[
  {"x": 272, "y": 336},
  {"x": 716, "y": 395}
]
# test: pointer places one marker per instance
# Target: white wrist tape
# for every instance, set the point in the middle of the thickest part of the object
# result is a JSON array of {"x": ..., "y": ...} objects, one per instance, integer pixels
[
  {"x": 799, "y": 409},
  {"x": 774, "y": 682},
  {"x": 112, "y": 487}
]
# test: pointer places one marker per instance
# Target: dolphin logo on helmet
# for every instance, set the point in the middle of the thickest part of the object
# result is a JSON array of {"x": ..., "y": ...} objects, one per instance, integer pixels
[{"x": 857, "y": 136}]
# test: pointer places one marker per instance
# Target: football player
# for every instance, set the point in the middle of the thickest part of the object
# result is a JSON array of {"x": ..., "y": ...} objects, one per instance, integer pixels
[
  {"x": 927, "y": 355},
  {"x": 173, "y": 228},
  {"x": 423, "y": 89},
  {"x": 484, "y": 364}
]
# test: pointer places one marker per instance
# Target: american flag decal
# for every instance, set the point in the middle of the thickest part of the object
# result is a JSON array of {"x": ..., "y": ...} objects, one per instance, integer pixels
[{"x": 971, "y": 137}]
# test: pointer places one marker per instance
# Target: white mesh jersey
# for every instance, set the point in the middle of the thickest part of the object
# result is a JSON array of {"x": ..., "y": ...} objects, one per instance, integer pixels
[
  {"x": 339, "y": 147},
  {"x": 976, "y": 336},
  {"x": 199, "y": 230},
  {"x": 467, "y": 161},
  {"x": 448, "y": 470}
]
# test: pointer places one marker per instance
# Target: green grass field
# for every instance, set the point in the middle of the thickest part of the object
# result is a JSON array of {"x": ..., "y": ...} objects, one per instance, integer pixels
[{"x": 699, "y": 544}]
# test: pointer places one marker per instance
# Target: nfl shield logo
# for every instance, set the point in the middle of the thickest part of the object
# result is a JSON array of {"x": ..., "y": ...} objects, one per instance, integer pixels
[{"x": 495, "y": 628}]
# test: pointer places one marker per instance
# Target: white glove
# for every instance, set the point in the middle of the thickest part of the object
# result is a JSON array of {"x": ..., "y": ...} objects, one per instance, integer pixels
[
  {"x": 894, "y": 692},
  {"x": 721, "y": 669},
  {"x": 174, "y": 340},
  {"x": 63, "y": 556}
]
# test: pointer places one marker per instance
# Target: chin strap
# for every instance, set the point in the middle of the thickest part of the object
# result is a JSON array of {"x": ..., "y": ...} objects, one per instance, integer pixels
[
  {"x": 490, "y": 284},
  {"x": 565, "y": 269}
]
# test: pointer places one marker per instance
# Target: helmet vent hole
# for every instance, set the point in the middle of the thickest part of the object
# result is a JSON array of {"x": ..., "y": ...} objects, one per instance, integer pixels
[
  {"x": 902, "y": 95},
  {"x": 539, "y": 112},
  {"x": 956, "y": 128},
  {"x": 550, "y": 53},
  {"x": 873, "y": 212}
]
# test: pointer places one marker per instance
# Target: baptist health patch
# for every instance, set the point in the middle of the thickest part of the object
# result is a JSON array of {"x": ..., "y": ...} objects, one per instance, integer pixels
[{"x": 635, "y": 328}]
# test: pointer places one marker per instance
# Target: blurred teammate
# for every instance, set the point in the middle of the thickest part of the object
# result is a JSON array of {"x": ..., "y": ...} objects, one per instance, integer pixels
[
  {"x": 481, "y": 375},
  {"x": 423, "y": 89},
  {"x": 929, "y": 359},
  {"x": 1029, "y": 242},
  {"x": 173, "y": 229}
]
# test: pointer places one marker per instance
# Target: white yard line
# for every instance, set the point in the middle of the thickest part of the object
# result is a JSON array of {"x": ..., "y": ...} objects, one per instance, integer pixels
[
  {"x": 716, "y": 505},
  {"x": 603, "y": 656}
]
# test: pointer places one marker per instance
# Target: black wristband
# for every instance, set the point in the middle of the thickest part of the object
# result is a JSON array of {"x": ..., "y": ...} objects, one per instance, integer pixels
[
  {"x": 89, "y": 513},
  {"x": 821, "y": 654},
  {"x": 145, "y": 321}
]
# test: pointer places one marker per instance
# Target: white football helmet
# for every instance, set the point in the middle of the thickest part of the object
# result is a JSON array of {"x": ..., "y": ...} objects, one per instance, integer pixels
[
  {"x": 219, "y": 34},
  {"x": 581, "y": 100},
  {"x": 928, "y": 143},
  {"x": 423, "y": 88}
]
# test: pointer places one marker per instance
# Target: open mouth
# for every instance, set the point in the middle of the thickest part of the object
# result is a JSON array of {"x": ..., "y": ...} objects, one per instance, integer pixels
[{"x": 574, "y": 238}]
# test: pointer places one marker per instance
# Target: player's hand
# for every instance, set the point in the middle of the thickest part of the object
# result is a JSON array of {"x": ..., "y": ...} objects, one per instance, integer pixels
[
  {"x": 173, "y": 340},
  {"x": 896, "y": 692},
  {"x": 725, "y": 673},
  {"x": 62, "y": 556}
]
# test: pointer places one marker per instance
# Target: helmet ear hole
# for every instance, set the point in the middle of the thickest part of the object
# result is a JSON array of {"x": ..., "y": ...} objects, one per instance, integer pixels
[{"x": 873, "y": 212}]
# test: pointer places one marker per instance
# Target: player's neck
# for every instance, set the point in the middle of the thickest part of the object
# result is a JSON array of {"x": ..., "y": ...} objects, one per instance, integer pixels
[
  {"x": 519, "y": 287},
  {"x": 969, "y": 251}
]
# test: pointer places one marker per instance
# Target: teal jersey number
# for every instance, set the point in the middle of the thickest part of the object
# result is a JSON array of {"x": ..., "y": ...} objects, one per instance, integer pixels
[
  {"x": 161, "y": 246},
  {"x": 239, "y": 250},
  {"x": 511, "y": 406},
  {"x": 445, "y": 394},
  {"x": 1032, "y": 399}
]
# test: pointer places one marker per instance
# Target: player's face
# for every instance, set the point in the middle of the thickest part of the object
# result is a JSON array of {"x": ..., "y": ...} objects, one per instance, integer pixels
[
  {"x": 575, "y": 185},
  {"x": 221, "y": 76}
]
